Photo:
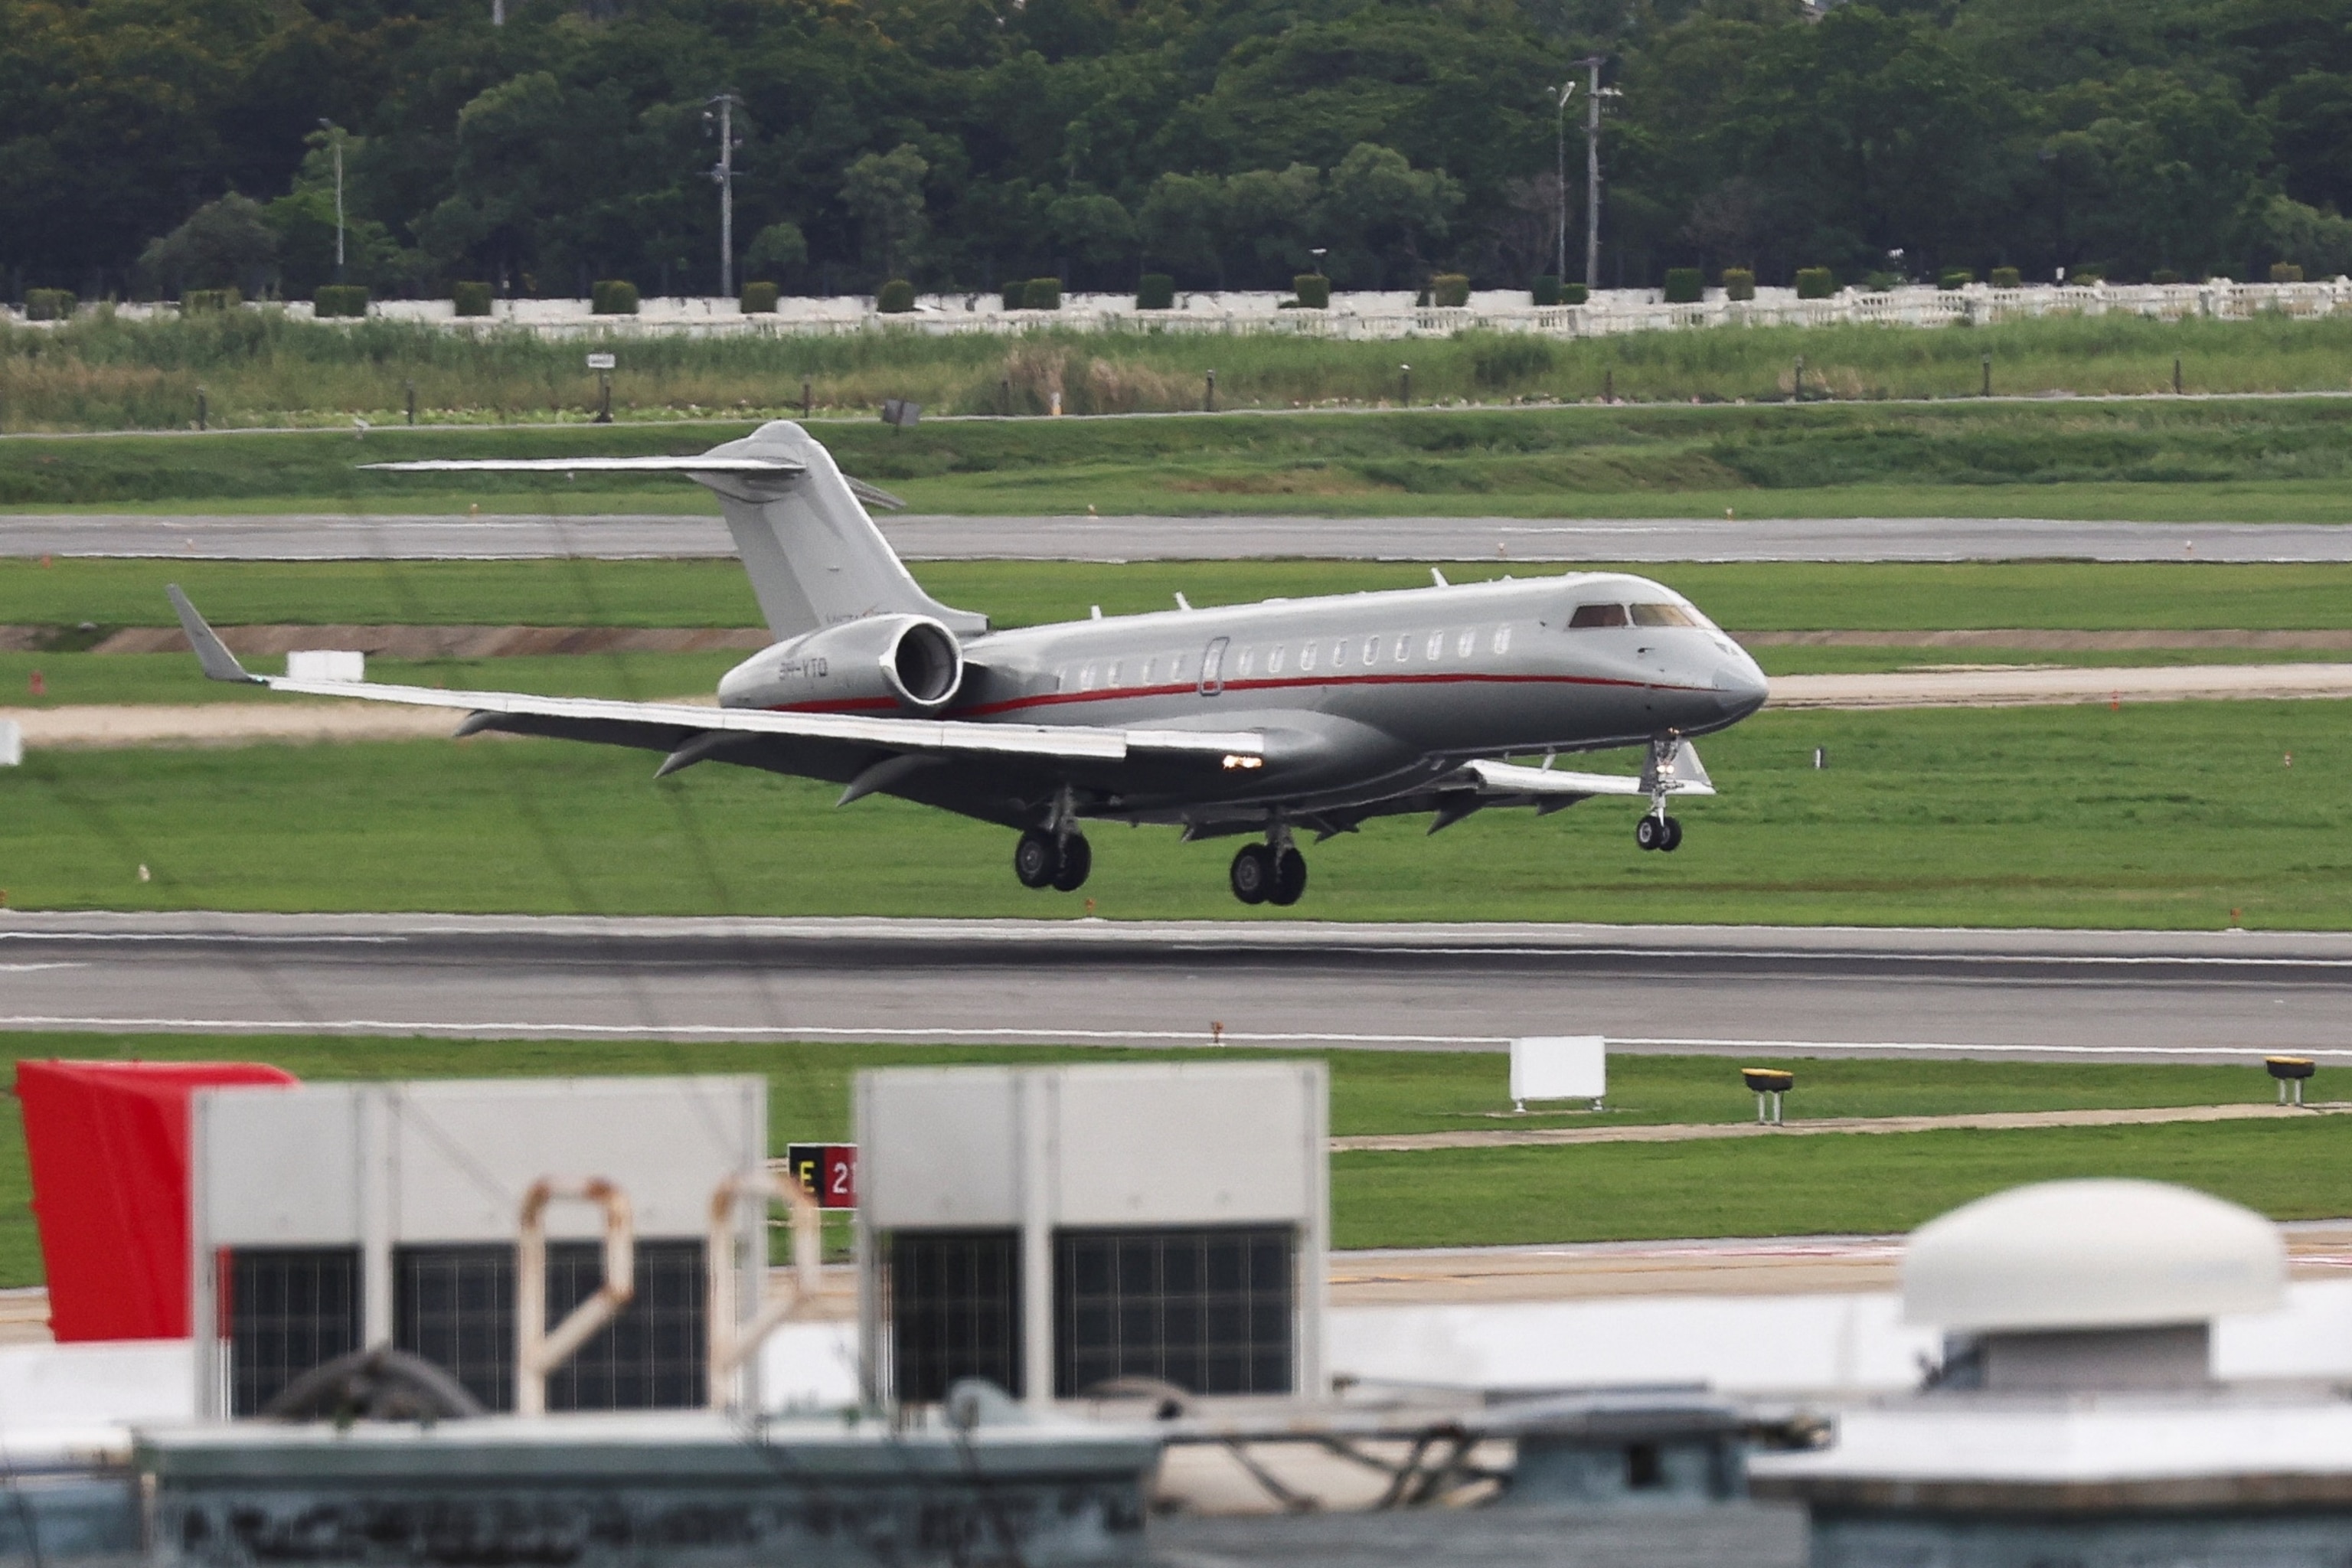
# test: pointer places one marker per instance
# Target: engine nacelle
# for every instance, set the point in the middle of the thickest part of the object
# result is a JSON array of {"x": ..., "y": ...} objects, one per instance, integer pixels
[{"x": 910, "y": 662}]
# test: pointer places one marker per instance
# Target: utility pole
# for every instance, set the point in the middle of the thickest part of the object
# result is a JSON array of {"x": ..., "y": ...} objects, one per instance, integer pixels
[
  {"x": 1593, "y": 94},
  {"x": 335, "y": 135},
  {"x": 1560, "y": 95},
  {"x": 724, "y": 174}
]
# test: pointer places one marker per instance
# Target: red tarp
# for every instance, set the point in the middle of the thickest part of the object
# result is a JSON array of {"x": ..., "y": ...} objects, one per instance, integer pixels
[{"x": 109, "y": 1142}]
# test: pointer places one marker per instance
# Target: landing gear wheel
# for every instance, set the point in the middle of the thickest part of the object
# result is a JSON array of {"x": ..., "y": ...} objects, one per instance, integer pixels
[
  {"x": 1674, "y": 839},
  {"x": 1035, "y": 858},
  {"x": 1078, "y": 859},
  {"x": 1253, "y": 873},
  {"x": 1289, "y": 876},
  {"x": 1650, "y": 833}
]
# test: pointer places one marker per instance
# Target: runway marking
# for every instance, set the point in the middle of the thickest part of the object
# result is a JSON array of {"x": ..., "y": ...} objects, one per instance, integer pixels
[
  {"x": 28, "y": 968},
  {"x": 1047, "y": 1035},
  {"x": 289, "y": 937}
]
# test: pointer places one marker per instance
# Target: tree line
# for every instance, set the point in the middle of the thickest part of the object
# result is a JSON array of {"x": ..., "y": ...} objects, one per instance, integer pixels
[{"x": 148, "y": 146}]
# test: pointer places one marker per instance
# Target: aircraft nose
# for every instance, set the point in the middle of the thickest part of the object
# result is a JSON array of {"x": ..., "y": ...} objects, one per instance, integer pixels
[{"x": 1740, "y": 686}]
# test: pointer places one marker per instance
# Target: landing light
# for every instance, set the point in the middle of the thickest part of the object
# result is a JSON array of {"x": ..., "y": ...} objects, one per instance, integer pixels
[{"x": 1234, "y": 761}]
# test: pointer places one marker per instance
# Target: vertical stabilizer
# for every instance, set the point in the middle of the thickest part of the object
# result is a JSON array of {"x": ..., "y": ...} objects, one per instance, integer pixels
[{"x": 815, "y": 557}]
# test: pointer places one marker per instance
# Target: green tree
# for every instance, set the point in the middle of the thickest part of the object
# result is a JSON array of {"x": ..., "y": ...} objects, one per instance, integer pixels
[
  {"x": 1381, "y": 217},
  {"x": 884, "y": 192},
  {"x": 227, "y": 244}
]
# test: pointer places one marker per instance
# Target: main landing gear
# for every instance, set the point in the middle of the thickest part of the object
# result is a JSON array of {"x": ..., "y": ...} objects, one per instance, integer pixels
[
  {"x": 1060, "y": 861},
  {"x": 1274, "y": 872},
  {"x": 1660, "y": 832}
]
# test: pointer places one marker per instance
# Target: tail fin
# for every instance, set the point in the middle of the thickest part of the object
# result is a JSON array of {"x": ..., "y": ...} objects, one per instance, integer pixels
[{"x": 814, "y": 555}]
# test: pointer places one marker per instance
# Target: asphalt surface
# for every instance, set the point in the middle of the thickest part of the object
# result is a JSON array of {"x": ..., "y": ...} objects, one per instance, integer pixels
[
  {"x": 1744, "y": 991},
  {"x": 344, "y": 537}
]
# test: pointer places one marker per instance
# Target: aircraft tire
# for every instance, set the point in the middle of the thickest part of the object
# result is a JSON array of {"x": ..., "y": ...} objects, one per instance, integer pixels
[
  {"x": 1253, "y": 873},
  {"x": 1078, "y": 859},
  {"x": 1289, "y": 878},
  {"x": 1674, "y": 839},
  {"x": 1035, "y": 858},
  {"x": 1649, "y": 832}
]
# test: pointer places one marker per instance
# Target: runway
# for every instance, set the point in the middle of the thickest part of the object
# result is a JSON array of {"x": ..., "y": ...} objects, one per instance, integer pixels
[
  {"x": 1733, "y": 991},
  {"x": 327, "y": 536}
]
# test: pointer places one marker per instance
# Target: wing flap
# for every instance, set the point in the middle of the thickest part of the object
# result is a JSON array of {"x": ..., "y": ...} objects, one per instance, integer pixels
[
  {"x": 703, "y": 464},
  {"x": 1509, "y": 778}
]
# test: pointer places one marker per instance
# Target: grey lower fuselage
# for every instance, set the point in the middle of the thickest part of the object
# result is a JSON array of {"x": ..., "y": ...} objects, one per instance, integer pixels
[{"x": 1361, "y": 697}]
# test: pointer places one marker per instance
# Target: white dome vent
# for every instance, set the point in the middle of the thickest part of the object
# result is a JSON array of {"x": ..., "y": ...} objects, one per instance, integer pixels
[{"x": 2091, "y": 1254}]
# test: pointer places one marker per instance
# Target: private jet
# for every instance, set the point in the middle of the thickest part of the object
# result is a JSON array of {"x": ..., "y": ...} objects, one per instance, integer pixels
[{"x": 1263, "y": 719}]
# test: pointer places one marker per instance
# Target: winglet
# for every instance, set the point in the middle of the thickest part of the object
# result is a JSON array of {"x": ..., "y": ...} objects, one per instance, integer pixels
[{"x": 211, "y": 652}]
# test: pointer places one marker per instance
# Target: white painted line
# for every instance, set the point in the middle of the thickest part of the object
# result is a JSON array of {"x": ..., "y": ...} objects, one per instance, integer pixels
[
  {"x": 28, "y": 968},
  {"x": 1048, "y": 1036}
]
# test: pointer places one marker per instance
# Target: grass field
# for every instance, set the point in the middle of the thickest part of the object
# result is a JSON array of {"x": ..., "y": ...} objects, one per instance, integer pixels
[
  {"x": 1766, "y": 596},
  {"x": 2164, "y": 815},
  {"x": 2170, "y": 460},
  {"x": 1759, "y": 1188},
  {"x": 257, "y": 367}
]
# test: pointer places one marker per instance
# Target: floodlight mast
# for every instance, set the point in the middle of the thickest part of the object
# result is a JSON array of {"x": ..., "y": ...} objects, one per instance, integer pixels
[
  {"x": 1594, "y": 93},
  {"x": 724, "y": 174},
  {"x": 335, "y": 135}
]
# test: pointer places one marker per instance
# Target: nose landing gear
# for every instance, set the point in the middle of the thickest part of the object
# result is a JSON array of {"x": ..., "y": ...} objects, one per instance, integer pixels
[
  {"x": 1658, "y": 832},
  {"x": 1274, "y": 872}
]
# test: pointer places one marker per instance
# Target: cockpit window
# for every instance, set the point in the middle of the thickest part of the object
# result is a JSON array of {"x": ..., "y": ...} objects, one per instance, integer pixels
[
  {"x": 1663, "y": 615},
  {"x": 1598, "y": 615}
]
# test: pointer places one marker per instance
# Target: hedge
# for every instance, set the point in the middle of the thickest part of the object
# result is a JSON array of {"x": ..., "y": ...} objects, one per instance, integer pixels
[
  {"x": 1955, "y": 277},
  {"x": 194, "y": 300},
  {"x": 1155, "y": 292},
  {"x": 49, "y": 304},
  {"x": 1685, "y": 285},
  {"x": 1739, "y": 283},
  {"x": 1314, "y": 290},
  {"x": 471, "y": 299},
  {"x": 1546, "y": 290},
  {"x": 895, "y": 298},
  {"x": 1815, "y": 283},
  {"x": 2164, "y": 275},
  {"x": 1041, "y": 294},
  {"x": 758, "y": 299},
  {"x": 1574, "y": 293},
  {"x": 339, "y": 299},
  {"x": 2285, "y": 272},
  {"x": 1449, "y": 290},
  {"x": 2007, "y": 277},
  {"x": 612, "y": 297}
]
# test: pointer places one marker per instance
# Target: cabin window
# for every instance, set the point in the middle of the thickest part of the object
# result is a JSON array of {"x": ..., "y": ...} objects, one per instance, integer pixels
[
  {"x": 1150, "y": 668},
  {"x": 1502, "y": 640},
  {"x": 1403, "y": 654},
  {"x": 1371, "y": 650},
  {"x": 1662, "y": 616},
  {"x": 1338, "y": 653},
  {"x": 1465, "y": 645},
  {"x": 1307, "y": 655},
  {"x": 1061, "y": 679},
  {"x": 1113, "y": 678},
  {"x": 1436, "y": 644},
  {"x": 1175, "y": 667},
  {"x": 1086, "y": 677},
  {"x": 1249, "y": 661},
  {"x": 1273, "y": 661},
  {"x": 1597, "y": 615}
]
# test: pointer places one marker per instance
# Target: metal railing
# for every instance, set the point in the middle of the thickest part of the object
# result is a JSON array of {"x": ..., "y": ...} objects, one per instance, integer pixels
[
  {"x": 540, "y": 1349},
  {"x": 733, "y": 1338}
]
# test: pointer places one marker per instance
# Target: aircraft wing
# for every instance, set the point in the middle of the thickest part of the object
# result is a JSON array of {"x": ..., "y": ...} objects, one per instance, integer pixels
[
  {"x": 677, "y": 727},
  {"x": 1540, "y": 784}
]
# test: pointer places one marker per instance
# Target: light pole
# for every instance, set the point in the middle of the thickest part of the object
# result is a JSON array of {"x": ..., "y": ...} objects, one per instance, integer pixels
[
  {"x": 335, "y": 135},
  {"x": 724, "y": 174},
  {"x": 1560, "y": 96},
  {"x": 1594, "y": 93}
]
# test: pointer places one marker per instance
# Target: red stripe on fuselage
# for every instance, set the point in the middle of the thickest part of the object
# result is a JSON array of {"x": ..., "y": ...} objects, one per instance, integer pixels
[{"x": 1058, "y": 698}]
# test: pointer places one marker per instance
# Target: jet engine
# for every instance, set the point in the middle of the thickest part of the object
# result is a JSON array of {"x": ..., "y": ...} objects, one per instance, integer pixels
[{"x": 910, "y": 662}]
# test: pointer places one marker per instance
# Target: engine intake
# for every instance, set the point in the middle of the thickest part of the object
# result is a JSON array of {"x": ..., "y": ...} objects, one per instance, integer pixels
[{"x": 912, "y": 662}]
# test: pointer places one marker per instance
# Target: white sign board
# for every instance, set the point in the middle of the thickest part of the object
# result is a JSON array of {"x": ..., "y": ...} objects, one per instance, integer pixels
[
  {"x": 326, "y": 663},
  {"x": 11, "y": 743},
  {"x": 601, "y": 362},
  {"x": 1559, "y": 1067}
]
